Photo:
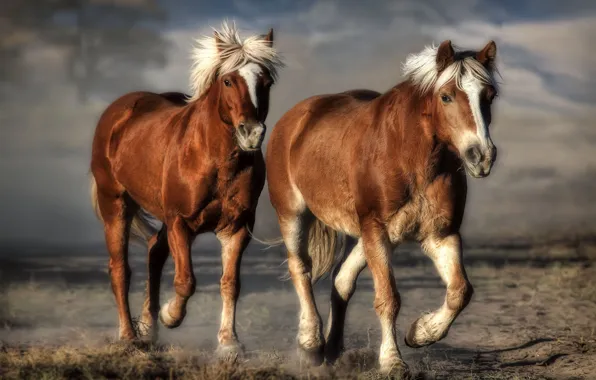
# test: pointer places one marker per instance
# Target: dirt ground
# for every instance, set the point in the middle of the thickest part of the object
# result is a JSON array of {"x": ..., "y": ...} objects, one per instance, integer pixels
[{"x": 533, "y": 315}]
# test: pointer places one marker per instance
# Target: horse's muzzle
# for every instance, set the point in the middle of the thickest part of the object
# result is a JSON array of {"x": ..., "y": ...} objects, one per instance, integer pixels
[
  {"x": 250, "y": 136},
  {"x": 478, "y": 161}
]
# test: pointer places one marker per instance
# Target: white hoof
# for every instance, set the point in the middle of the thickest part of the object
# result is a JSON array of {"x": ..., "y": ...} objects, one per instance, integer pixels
[
  {"x": 167, "y": 319},
  {"x": 230, "y": 352}
]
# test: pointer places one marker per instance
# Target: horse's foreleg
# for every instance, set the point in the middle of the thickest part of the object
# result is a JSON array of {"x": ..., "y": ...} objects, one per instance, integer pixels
[
  {"x": 158, "y": 251},
  {"x": 446, "y": 253},
  {"x": 117, "y": 220},
  {"x": 377, "y": 251},
  {"x": 233, "y": 245},
  {"x": 344, "y": 284},
  {"x": 310, "y": 339},
  {"x": 179, "y": 240}
]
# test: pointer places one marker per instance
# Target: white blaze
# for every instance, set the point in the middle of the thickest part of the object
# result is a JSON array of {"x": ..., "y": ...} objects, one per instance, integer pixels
[
  {"x": 251, "y": 73},
  {"x": 473, "y": 87}
]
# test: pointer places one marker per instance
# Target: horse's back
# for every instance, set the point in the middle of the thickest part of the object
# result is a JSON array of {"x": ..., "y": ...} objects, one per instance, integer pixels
[
  {"x": 143, "y": 102},
  {"x": 320, "y": 108},
  {"x": 318, "y": 119}
]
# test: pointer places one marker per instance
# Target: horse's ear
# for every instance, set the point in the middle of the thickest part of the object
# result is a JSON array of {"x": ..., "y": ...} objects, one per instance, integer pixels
[
  {"x": 487, "y": 55},
  {"x": 218, "y": 40},
  {"x": 445, "y": 55},
  {"x": 269, "y": 37}
]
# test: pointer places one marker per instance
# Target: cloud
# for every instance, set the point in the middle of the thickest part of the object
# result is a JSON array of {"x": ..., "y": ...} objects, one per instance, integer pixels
[{"x": 542, "y": 123}]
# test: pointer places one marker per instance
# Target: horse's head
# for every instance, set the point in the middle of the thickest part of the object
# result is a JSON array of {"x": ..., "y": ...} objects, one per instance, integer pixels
[
  {"x": 464, "y": 93},
  {"x": 244, "y": 100},
  {"x": 238, "y": 75},
  {"x": 461, "y": 87}
]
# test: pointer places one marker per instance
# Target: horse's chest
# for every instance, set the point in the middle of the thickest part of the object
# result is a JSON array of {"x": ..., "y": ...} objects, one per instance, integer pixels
[
  {"x": 405, "y": 224},
  {"x": 419, "y": 218},
  {"x": 230, "y": 202}
]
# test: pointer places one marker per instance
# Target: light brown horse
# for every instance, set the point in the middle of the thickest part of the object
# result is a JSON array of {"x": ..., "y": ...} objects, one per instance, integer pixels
[
  {"x": 194, "y": 163},
  {"x": 382, "y": 169}
]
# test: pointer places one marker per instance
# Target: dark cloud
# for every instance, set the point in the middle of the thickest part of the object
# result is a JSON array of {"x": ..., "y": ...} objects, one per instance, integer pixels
[{"x": 542, "y": 121}]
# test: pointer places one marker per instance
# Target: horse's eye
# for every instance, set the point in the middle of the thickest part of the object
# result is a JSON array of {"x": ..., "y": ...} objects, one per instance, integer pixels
[
  {"x": 446, "y": 98},
  {"x": 491, "y": 93},
  {"x": 227, "y": 83}
]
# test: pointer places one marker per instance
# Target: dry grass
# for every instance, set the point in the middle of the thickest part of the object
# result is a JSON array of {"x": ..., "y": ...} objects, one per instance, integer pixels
[{"x": 126, "y": 361}]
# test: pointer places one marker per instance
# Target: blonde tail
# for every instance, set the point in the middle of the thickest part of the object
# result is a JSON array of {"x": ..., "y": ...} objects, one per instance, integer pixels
[
  {"x": 322, "y": 244},
  {"x": 143, "y": 224}
]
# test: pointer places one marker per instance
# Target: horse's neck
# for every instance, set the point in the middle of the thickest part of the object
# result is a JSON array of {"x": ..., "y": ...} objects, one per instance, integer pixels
[
  {"x": 207, "y": 134},
  {"x": 407, "y": 123}
]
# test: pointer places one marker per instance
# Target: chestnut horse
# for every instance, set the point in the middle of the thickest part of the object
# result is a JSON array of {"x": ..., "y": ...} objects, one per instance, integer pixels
[
  {"x": 382, "y": 169},
  {"x": 195, "y": 164}
]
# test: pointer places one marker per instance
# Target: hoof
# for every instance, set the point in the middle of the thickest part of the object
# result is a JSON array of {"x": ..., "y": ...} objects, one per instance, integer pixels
[
  {"x": 421, "y": 335},
  {"x": 167, "y": 319},
  {"x": 132, "y": 345},
  {"x": 126, "y": 335},
  {"x": 230, "y": 352},
  {"x": 395, "y": 370},
  {"x": 312, "y": 357},
  {"x": 332, "y": 353}
]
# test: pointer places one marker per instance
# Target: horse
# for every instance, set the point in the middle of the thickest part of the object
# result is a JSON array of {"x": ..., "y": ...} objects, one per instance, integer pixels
[
  {"x": 193, "y": 163},
  {"x": 374, "y": 170}
]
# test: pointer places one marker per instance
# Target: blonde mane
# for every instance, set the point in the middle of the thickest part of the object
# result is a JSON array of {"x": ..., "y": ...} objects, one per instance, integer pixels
[
  {"x": 421, "y": 70},
  {"x": 212, "y": 58}
]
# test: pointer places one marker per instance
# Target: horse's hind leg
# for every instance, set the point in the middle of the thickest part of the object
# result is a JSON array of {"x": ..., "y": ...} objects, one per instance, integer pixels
[
  {"x": 117, "y": 215},
  {"x": 295, "y": 230},
  {"x": 344, "y": 284},
  {"x": 158, "y": 251},
  {"x": 446, "y": 253}
]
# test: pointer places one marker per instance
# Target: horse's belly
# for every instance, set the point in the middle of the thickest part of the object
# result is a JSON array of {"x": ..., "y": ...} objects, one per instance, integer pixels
[
  {"x": 338, "y": 217},
  {"x": 340, "y": 221}
]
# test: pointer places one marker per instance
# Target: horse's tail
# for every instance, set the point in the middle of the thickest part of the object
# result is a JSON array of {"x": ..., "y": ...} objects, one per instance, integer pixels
[
  {"x": 322, "y": 244},
  {"x": 143, "y": 224}
]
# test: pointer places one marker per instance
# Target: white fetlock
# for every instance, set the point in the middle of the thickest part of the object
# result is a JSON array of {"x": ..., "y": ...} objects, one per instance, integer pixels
[{"x": 148, "y": 329}]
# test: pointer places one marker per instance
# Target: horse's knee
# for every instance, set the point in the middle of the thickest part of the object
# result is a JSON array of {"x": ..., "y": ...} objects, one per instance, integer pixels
[
  {"x": 387, "y": 304},
  {"x": 185, "y": 288},
  {"x": 119, "y": 269},
  {"x": 458, "y": 297}
]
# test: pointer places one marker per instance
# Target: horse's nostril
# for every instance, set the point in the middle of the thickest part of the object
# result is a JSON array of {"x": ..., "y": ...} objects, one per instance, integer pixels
[{"x": 473, "y": 155}]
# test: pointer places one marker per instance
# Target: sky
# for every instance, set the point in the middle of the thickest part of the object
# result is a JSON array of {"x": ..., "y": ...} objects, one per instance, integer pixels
[{"x": 544, "y": 181}]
